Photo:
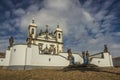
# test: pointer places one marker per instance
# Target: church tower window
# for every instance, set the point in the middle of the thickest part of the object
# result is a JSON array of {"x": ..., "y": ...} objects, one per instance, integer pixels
[
  {"x": 32, "y": 31},
  {"x": 59, "y": 36}
]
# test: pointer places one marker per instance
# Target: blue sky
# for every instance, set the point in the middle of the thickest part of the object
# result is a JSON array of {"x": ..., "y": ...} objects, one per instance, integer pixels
[{"x": 87, "y": 24}]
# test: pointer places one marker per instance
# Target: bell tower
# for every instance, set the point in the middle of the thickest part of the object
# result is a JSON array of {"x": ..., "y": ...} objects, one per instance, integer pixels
[
  {"x": 59, "y": 34},
  {"x": 32, "y": 29},
  {"x": 59, "y": 39}
]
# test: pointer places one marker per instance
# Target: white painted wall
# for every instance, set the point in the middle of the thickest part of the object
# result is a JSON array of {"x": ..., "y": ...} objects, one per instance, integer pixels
[
  {"x": 2, "y": 61},
  {"x": 18, "y": 54},
  {"x": 22, "y": 55},
  {"x": 5, "y": 61},
  {"x": 103, "y": 62},
  {"x": 28, "y": 56},
  {"x": 47, "y": 60},
  {"x": 7, "y": 57}
]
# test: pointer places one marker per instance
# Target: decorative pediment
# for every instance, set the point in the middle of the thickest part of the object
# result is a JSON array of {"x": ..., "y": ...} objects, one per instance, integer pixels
[{"x": 46, "y": 37}]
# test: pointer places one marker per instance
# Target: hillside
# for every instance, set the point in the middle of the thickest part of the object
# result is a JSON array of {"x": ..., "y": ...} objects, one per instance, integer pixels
[{"x": 69, "y": 74}]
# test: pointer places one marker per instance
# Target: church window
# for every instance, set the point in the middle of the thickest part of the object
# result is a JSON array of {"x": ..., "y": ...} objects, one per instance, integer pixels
[
  {"x": 59, "y": 36},
  {"x": 14, "y": 50},
  {"x": 49, "y": 59},
  {"x": 32, "y": 31},
  {"x": 1, "y": 60},
  {"x": 98, "y": 61}
]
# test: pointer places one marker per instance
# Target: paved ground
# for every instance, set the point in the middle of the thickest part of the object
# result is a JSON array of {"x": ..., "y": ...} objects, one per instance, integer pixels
[{"x": 67, "y": 74}]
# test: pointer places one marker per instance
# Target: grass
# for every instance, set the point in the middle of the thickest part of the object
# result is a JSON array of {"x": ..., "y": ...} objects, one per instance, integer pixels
[{"x": 66, "y": 74}]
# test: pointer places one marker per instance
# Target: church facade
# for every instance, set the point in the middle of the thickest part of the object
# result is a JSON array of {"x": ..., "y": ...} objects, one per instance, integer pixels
[
  {"x": 48, "y": 42},
  {"x": 45, "y": 50}
]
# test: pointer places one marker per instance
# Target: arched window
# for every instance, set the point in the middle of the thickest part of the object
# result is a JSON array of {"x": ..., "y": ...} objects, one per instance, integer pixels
[
  {"x": 32, "y": 31},
  {"x": 59, "y": 36}
]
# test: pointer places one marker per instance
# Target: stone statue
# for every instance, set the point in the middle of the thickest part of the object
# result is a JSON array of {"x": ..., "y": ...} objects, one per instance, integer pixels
[
  {"x": 105, "y": 48},
  {"x": 40, "y": 32},
  {"x": 50, "y": 50},
  {"x": 40, "y": 48},
  {"x": 85, "y": 55},
  {"x": 70, "y": 57},
  {"x": 69, "y": 53},
  {"x": 46, "y": 50},
  {"x": 11, "y": 41},
  {"x": 54, "y": 50}
]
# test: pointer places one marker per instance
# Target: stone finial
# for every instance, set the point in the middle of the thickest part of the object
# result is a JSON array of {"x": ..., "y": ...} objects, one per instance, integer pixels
[
  {"x": 57, "y": 26},
  {"x": 33, "y": 20},
  {"x": 83, "y": 54},
  {"x": 46, "y": 28},
  {"x": 105, "y": 48},
  {"x": 87, "y": 54},
  {"x": 69, "y": 51},
  {"x": 11, "y": 41},
  {"x": 40, "y": 32}
]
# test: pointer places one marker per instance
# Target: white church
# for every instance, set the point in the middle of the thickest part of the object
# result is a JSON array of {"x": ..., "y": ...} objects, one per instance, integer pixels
[{"x": 45, "y": 50}]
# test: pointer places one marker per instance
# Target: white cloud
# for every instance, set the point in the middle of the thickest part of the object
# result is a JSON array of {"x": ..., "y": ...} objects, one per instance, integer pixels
[
  {"x": 116, "y": 46},
  {"x": 57, "y": 4},
  {"x": 19, "y": 12},
  {"x": 117, "y": 33},
  {"x": 87, "y": 16},
  {"x": 93, "y": 41}
]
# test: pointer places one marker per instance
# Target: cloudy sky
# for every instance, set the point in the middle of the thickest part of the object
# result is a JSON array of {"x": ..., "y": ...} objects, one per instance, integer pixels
[{"x": 87, "y": 24}]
